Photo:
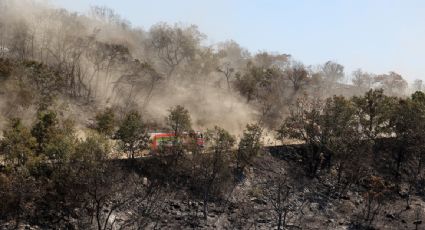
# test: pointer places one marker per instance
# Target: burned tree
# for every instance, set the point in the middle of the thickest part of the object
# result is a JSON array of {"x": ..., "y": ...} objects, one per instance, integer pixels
[
  {"x": 213, "y": 172},
  {"x": 280, "y": 192}
]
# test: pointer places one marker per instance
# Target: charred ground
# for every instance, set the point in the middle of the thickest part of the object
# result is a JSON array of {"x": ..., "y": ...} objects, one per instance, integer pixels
[{"x": 79, "y": 95}]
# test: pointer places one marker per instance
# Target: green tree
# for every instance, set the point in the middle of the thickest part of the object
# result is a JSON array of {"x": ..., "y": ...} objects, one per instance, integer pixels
[
  {"x": 6, "y": 68},
  {"x": 89, "y": 181},
  {"x": 417, "y": 140},
  {"x": 249, "y": 145},
  {"x": 17, "y": 145},
  {"x": 374, "y": 110},
  {"x": 44, "y": 128},
  {"x": 257, "y": 82},
  {"x": 179, "y": 120},
  {"x": 132, "y": 134},
  {"x": 94, "y": 149},
  {"x": 343, "y": 141},
  {"x": 60, "y": 147},
  {"x": 408, "y": 123},
  {"x": 304, "y": 124},
  {"x": 297, "y": 74},
  {"x": 262, "y": 86},
  {"x": 106, "y": 122}
]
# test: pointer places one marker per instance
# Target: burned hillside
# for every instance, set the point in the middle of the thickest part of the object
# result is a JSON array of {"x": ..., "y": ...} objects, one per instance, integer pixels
[{"x": 105, "y": 125}]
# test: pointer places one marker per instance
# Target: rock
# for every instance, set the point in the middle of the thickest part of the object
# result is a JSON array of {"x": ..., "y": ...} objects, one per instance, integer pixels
[
  {"x": 346, "y": 207},
  {"x": 404, "y": 190},
  {"x": 314, "y": 207},
  {"x": 390, "y": 216},
  {"x": 176, "y": 206},
  {"x": 263, "y": 221},
  {"x": 345, "y": 197},
  {"x": 417, "y": 222},
  {"x": 258, "y": 201}
]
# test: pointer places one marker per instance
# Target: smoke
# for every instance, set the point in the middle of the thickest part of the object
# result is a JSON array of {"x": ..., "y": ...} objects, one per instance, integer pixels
[
  {"x": 209, "y": 106},
  {"x": 99, "y": 50},
  {"x": 98, "y": 60}
]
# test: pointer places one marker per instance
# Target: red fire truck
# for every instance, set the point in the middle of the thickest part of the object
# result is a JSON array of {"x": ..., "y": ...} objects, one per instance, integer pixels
[{"x": 164, "y": 139}]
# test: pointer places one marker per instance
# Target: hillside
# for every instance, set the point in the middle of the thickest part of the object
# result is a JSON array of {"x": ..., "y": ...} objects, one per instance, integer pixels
[{"x": 105, "y": 125}]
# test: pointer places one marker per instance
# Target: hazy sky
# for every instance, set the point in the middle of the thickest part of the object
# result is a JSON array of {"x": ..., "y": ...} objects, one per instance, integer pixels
[{"x": 375, "y": 35}]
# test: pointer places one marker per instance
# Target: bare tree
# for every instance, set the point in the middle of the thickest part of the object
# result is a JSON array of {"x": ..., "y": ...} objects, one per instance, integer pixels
[
  {"x": 279, "y": 196},
  {"x": 374, "y": 200},
  {"x": 280, "y": 192},
  {"x": 232, "y": 52},
  {"x": 213, "y": 173},
  {"x": 332, "y": 72},
  {"x": 105, "y": 56},
  {"x": 150, "y": 198},
  {"x": 173, "y": 45},
  {"x": 140, "y": 77},
  {"x": 109, "y": 16},
  {"x": 19, "y": 41},
  {"x": 418, "y": 85},
  {"x": 227, "y": 71},
  {"x": 362, "y": 80},
  {"x": 392, "y": 83},
  {"x": 297, "y": 75}
]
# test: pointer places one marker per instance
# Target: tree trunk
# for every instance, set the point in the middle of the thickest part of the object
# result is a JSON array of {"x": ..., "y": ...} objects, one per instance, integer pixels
[
  {"x": 98, "y": 220},
  {"x": 340, "y": 170},
  {"x": 205, "y": 207},
  {"x": 279, "y": 222}
]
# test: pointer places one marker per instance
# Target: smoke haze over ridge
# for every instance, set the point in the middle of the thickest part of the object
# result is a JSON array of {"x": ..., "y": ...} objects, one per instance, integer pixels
[{"x": 377, "y": 36}]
